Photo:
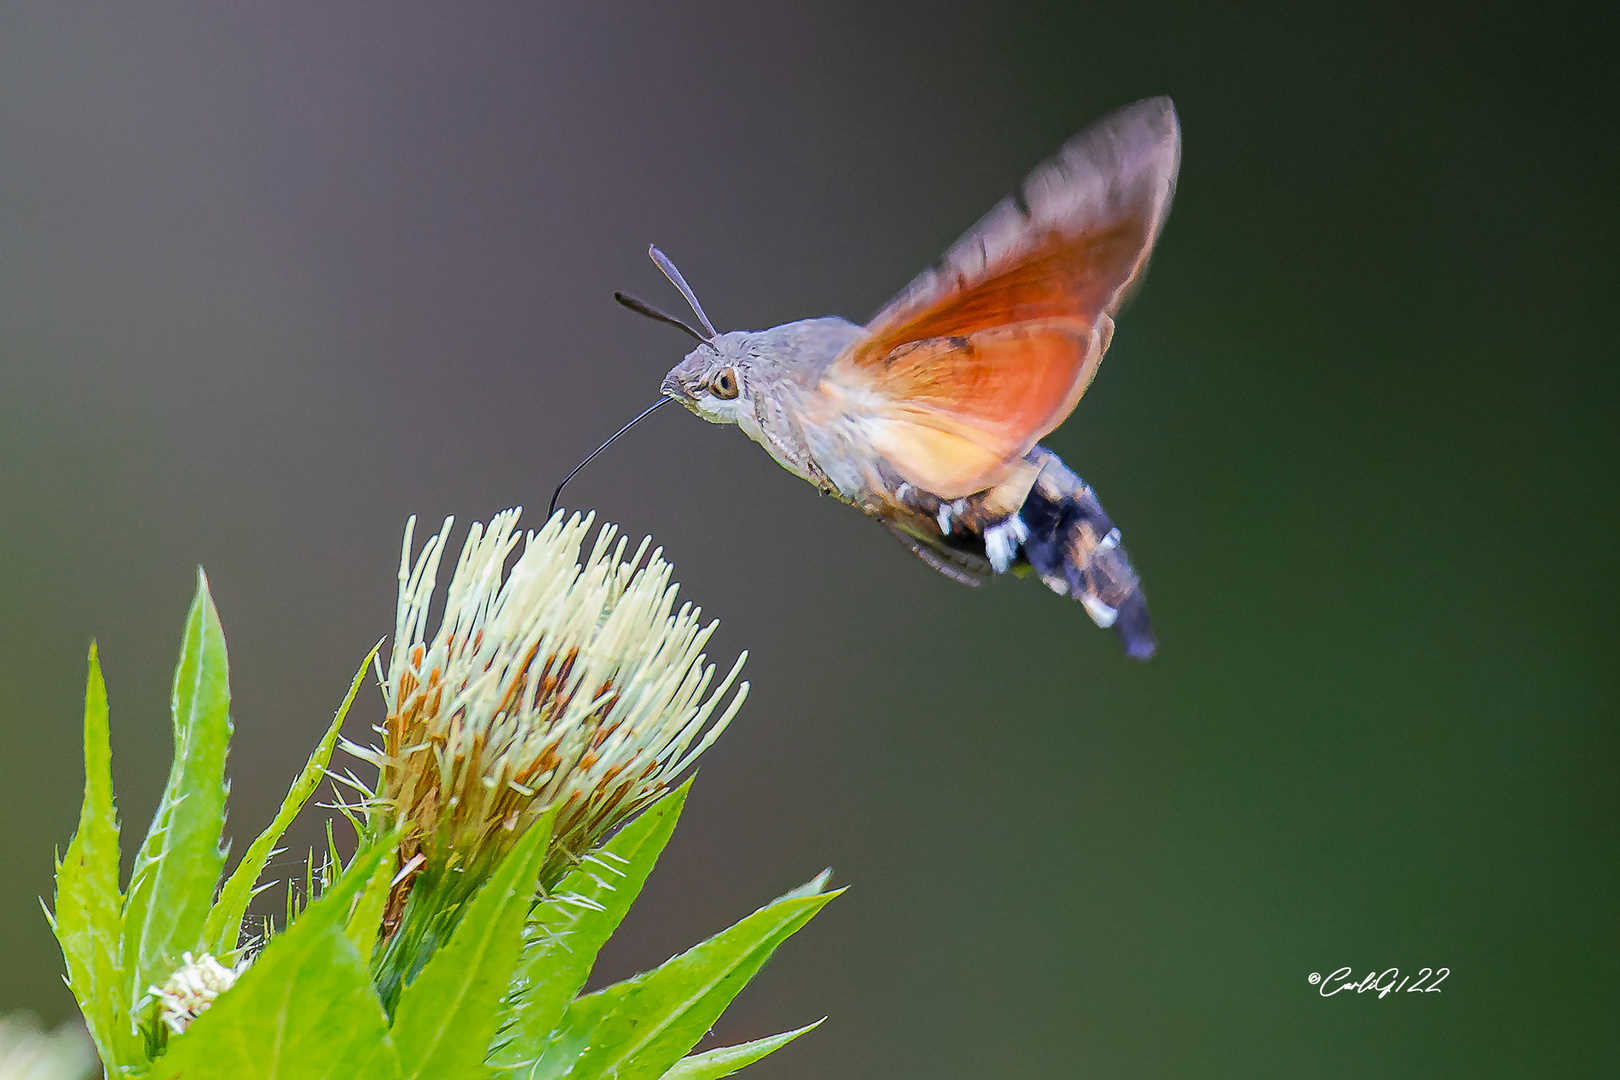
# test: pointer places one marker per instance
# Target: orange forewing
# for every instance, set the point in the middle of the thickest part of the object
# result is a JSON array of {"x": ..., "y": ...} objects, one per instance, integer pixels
[{"x": 1056, "y": 277}]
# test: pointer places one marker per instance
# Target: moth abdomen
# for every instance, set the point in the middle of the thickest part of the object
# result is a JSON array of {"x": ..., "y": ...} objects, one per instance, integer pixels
[
  {"x": 1074, "y": 547},
  {"x": 1059, "y": 530}
]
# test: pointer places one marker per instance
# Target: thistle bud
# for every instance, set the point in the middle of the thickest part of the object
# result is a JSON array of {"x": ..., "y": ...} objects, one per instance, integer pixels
[{"x": 187, "y": 993}]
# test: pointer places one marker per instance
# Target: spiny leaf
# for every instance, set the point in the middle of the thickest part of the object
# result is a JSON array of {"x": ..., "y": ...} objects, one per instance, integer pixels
[
  {"x": 641, "y": 1027},
  {"x": 725, "y": 1060},
  {"x": 305, "y": 1010},
  {"x": 568, "y": 1043},
  {"x": 223, "y": 929},
  {"x": 447, "y": 1016},
  {"x": 571, "y": 925},
  {"x": 179, "y": 865},
  {"x": 87, "y": 920},
  {"x": 366, "y": 919}
]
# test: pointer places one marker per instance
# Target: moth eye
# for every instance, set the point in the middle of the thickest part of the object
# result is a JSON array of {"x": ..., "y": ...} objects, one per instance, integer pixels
[{"x": 724, "y": 384}]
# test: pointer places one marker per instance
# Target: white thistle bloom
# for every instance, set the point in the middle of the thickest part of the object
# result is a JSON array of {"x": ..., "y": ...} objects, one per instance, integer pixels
[
  {"x": 193, "y": 987},
  {"x": 562, "y": 683}
]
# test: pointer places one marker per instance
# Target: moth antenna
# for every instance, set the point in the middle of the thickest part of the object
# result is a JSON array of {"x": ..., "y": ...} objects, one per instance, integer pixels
[
  {"x": 679, "y": 282},
  {"x": 641, "y": 307},
  {"x": 552, "y": 509}
]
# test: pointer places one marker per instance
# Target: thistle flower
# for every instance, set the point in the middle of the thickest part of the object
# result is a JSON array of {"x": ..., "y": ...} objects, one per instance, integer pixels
[
  {"x": 193, "y": 987},
  {"x": 563, "y": 684}
]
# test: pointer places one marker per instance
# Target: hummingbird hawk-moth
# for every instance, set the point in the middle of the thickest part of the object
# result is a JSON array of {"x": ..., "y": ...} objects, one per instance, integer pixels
[{"x": 929, "y": 418}]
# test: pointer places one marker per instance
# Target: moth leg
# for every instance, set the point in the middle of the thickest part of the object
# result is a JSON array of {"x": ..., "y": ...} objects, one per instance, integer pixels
[{"x": 959, "y": 574}]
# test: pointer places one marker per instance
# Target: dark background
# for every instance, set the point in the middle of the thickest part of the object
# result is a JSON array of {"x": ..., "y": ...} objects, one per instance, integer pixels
[{"x": 273, "y": 277}]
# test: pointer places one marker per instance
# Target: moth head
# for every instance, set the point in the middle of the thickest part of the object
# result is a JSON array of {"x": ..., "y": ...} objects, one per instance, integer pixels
[{"x": 713, "y": 380}]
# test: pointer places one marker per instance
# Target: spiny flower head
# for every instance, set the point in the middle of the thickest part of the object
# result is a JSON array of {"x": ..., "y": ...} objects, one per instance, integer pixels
[{"x": 562, "y": 683}]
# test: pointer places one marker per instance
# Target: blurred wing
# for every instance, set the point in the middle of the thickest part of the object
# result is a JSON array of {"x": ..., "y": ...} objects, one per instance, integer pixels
[
  {"x": 950, "y": 412},
  {"x": 988, "y": 350}
]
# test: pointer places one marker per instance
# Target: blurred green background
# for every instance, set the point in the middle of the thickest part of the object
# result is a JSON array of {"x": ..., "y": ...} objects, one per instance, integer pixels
[{"x": 273, "y": 277}]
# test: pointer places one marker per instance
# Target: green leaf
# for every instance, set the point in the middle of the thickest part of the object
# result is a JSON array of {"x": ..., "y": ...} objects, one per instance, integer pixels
[
  {"x": 568, "y": 1043},
  {"x": 365, "y": 921},
  {"x": 572, "y": 924},
  {"x": 448, "y": 1015},
  {"x": 87, "y": 920},
  {"x": 179, "y": 865},
  {"x": 223, "y": 929},
  {"x": 305, "y": 1010},
  {"x": 641, "y": 1027},
  {"x": 713, "y": 1064}
]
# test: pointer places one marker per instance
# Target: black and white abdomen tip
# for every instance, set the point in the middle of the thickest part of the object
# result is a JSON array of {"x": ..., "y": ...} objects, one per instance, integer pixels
[{"x": 1066, "y": 537}]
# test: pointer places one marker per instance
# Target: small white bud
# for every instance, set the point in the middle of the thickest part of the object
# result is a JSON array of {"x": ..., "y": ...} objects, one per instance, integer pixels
[{"x": 193, "y": 987}]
